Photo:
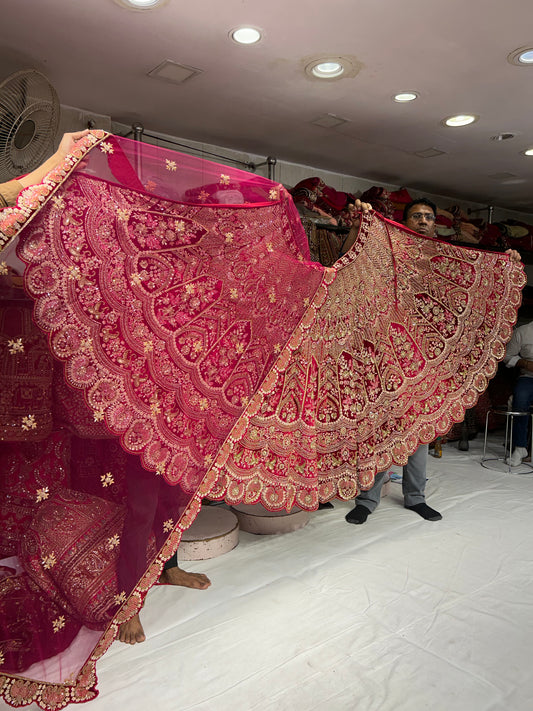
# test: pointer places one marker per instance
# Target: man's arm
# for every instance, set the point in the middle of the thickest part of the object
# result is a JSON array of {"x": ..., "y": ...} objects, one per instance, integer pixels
[
  {"x": 512, "y": 352},
  {"x": 10, "y": 190},
  {"x": 358, "y": 206}
]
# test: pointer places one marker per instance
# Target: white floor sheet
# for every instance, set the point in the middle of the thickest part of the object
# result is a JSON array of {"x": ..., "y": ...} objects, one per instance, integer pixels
[{"x": 399, "y": 614}]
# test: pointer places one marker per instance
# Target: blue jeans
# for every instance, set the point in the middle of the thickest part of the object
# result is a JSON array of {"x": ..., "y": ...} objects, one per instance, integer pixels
[{"x": 522, "y": 399}]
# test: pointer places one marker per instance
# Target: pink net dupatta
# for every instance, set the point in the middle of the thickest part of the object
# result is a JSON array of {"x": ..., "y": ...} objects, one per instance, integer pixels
[{"x": 194, "y": 333}]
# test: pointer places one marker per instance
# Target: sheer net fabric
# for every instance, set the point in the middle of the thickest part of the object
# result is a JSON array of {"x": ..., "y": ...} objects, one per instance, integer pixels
[{"x": 201, "y": 354}]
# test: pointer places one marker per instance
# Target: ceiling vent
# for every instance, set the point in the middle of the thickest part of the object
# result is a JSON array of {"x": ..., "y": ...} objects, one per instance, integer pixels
[
  {"x": 329, "y": 121},
  {"x": 429, "y": 153},
  {"x": 502, "y": 137},
  {"x": 173, "y": 72}
]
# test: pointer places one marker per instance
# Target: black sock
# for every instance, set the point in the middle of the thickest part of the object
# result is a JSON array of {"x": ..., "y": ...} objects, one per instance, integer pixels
[
  {"x": 358, "y": 515},
  {"x": 425, "y": 511}
]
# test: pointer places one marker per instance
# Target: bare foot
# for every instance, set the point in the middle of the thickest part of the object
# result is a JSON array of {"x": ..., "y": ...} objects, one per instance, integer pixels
[
  {"x": 131, "y": 632},
  {"x": 177, "y": 576}
]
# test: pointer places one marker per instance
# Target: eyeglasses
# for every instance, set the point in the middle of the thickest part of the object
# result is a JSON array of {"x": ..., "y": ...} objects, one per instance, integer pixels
[{"x": 430, "y": 217}]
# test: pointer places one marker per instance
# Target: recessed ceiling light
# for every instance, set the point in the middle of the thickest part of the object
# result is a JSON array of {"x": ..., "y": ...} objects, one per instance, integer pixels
[
  {"x": 139, "y": 4},
  {"x": 245, "y": 35},
  {"x": 521, "y": 57},
  {"x": 460, "y": 120},
  {"x": 529, "y": 152},
  {"x": 404, "y": 96},
  {"x": 331, "y": 68},
  {"x": 327, "y": 70}
]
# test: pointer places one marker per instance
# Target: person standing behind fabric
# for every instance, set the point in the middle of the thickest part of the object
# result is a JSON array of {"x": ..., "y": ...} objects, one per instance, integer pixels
[
  {"x": 419, "y": 216},
  {"x": 519, "y": 354}
]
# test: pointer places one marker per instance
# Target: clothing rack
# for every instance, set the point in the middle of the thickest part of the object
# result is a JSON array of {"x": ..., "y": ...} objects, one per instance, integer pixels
[
  {"x": 489, "y": 209},
  {"x": 138, "y": 132}
]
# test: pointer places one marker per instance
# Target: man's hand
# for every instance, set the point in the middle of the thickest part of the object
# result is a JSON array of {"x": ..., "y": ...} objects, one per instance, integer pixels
[
  {"x": 514, "y": 256},
  {"x": 359, "y": 206},
  {"x": 68, "y": 142}
]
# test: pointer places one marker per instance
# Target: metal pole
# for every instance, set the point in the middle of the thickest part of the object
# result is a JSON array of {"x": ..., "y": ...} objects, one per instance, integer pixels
[
  {"x": 271, "y": 163},
  {"x": 138, "y": 130}
]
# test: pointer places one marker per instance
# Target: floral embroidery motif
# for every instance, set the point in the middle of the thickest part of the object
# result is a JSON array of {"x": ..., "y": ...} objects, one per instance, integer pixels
[
  {"x": 15, "y": 346},
  {"x": 273, "y": 194},
  {"x": 120, "y": 598},
  {"x": 168, "y": 525},
  {"x": 29, "y": 423},
  {"x": 106, "y": 147},
  {"x": 113, "y": 542},
  {"x": 49, "y": 561},
  {"x": 42, "y": 494},
  {"x": 59, "y": 202},
  {"x": 107, "y": 479},
  {"x": 3, "y": 267},
  {"x": 170, "y": 165},
  {"x": 224, "y": 179},
  {"x": 59, "y": 623}
]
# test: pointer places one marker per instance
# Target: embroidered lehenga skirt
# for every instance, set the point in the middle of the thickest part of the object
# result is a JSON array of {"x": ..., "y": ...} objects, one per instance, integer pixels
[{"x": 181, "y": 334}]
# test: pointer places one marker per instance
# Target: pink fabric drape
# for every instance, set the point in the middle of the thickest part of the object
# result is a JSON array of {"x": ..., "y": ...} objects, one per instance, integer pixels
[{"x": 191, "y": 328}]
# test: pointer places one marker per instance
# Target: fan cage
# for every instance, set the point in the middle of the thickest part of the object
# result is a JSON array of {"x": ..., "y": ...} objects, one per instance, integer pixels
[{"x": 29, "y": 119}]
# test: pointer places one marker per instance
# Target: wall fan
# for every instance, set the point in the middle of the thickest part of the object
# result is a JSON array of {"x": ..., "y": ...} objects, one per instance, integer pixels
[{"x": 29, "y": 118}]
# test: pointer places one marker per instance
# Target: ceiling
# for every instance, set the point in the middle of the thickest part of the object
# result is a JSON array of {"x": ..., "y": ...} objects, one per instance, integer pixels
[{"x": 259, "y": 98}]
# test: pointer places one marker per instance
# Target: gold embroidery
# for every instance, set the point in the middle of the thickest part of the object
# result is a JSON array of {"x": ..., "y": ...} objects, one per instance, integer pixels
[
  {"x": 49, "y": 561},
  {"x": 59, "y": 202},
  {"x": 113, "y": 542},
  {"x": 42, "y": 494},
  {"x": 106, "y": 147},
  {"x": 107, "y": 479},
  {"x": 170, "y": 164},
  {"x": 28, "y": 423},
  {"x": 168, "y": 525},
  {"x": 59, "y": 623},
  {"x": 16, "y": 346}
]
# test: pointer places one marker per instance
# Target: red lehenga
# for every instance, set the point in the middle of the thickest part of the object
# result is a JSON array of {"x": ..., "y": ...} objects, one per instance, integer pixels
[{"x": 192, "y": 335}]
